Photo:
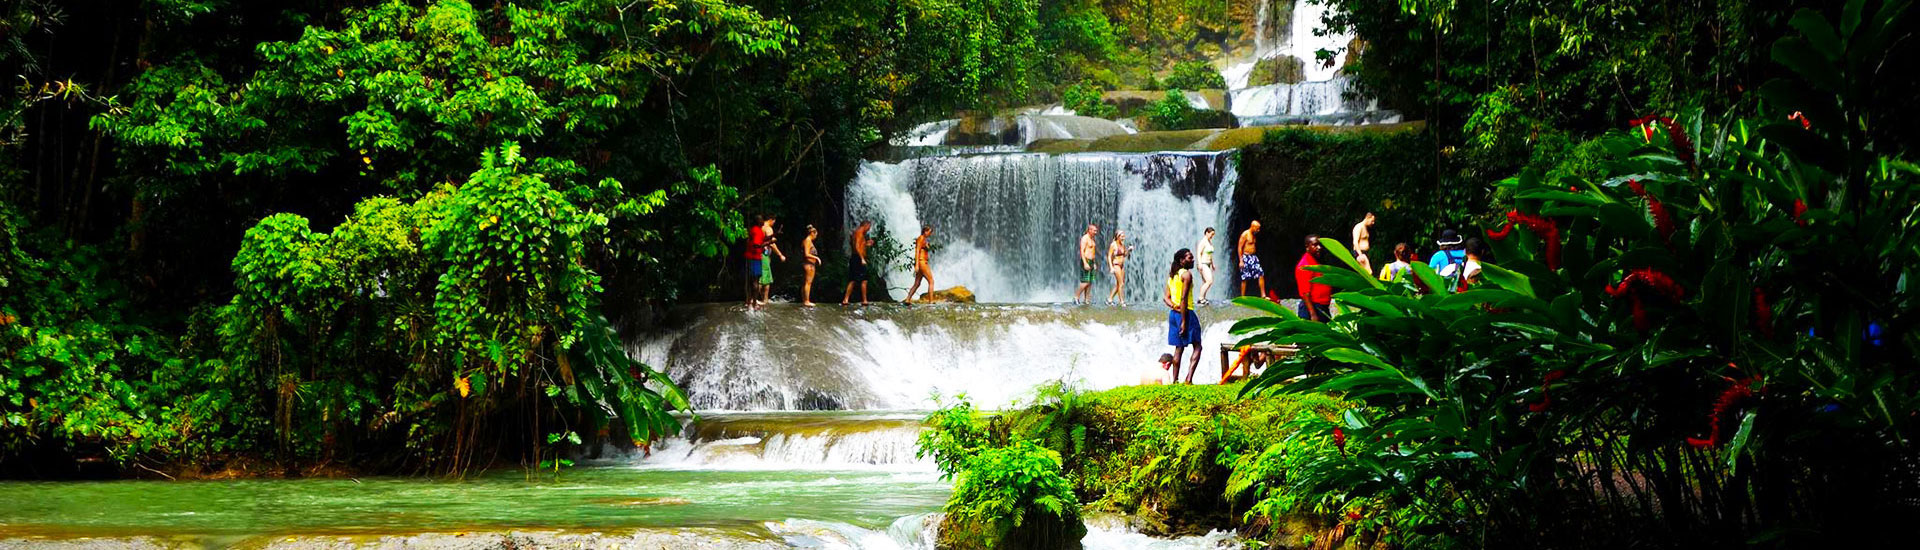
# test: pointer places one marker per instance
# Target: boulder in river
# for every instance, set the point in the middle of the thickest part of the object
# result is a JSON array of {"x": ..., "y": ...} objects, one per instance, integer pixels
[
  {"x": 1037, "y": 531},
  {"x": 954, "y": 295}
]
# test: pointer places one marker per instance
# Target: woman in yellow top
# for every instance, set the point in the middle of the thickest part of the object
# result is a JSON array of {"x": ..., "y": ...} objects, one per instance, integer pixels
[{"x": 1183, "y": 327}]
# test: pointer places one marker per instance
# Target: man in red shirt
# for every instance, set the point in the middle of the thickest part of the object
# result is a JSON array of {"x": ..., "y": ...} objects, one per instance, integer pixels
[
  {"x": 756, "y": 242},
  {"x": 1316, "y": 300}
]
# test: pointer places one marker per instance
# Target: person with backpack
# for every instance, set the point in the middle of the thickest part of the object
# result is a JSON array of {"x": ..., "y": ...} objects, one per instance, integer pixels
[{"x": 1451, "y": 260}]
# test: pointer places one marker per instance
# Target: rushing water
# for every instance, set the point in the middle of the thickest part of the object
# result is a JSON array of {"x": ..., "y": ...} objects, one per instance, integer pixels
[
  {"x": 898, "y": 357},
  {"x": 1008, "y": 225}
]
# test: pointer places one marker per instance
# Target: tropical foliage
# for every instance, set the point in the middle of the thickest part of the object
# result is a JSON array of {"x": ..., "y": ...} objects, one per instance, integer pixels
[
  {"x": 392, "y": 234},
  {"x": 1677, "y": 352}
]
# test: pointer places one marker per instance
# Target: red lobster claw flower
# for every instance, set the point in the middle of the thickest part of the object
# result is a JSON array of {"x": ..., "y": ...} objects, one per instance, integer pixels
[
  {"x": 1662, "y": 219},
  {"x": 1726, "y": 402},
  {"x": 1340, "y": 440},
  {"x": 1642, "y": 283},
  {"x": 1683, "y": 147},
  {"x": 1546, "y": 228}
]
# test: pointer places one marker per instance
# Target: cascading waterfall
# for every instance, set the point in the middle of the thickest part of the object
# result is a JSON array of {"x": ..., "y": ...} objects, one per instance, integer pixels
[
  {"x": 1007, "y": 226},
  {"x": 788, "y": 358},
  {"x": 1320, "y": 98},
  {"x": 749, "y": 441}
]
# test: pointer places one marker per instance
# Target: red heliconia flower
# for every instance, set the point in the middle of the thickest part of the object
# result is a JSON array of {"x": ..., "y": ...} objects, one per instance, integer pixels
[
  {"x": 1353, "y": 515},
  {"x": 1683, "y": 147},
  {"x": 1553, "y": 375},
  {"x": 1645, "y": 280},
  {"x": 1546, "y": 228},
  {"x": 1662, "y": 219},
  {"x": 1762, "y": 313},
  {"x": 1732, "y": 396},
  {"x": 1545, "y": 400},
  {"x": 1340, "y": 440},
  {"x": 1800, "y": 212},
  {"x": 1805, "y": 124}
]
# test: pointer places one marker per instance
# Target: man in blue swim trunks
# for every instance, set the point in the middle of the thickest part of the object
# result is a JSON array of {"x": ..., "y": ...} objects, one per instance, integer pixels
[
  {"x": 1249, "y": 251},
  {"x": 1183, "y": 327}
]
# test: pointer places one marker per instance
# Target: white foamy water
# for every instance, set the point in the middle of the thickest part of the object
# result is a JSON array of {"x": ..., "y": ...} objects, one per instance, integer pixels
[
  {"x": 1007, "y": 226},
  {"x": 896, "y": 357},
  {"x": 799, "y": 441}
]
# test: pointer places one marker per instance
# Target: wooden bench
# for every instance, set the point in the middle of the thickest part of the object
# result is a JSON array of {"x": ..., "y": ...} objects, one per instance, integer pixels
[{"x": 1277, "y": 353}]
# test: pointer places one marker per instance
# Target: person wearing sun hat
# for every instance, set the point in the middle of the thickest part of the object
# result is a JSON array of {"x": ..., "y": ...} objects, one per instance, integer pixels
[{"x": 1451, "y": 260}]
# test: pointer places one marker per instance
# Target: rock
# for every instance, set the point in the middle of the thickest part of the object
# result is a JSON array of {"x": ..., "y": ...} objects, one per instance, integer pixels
[
  {"x": 1285, "y": 69},
  {"x": 977, "y": 128},
  {"x": 955, "y": 295},
  {"x": 1201, "y": 118},
  {"x": 1133, "y": 103},
  {"x": 1037, "y": 531}
]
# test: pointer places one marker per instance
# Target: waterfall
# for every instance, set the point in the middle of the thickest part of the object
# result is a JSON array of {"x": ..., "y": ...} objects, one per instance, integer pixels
[
  {"x": 736, "y": 441},
  {"x": 1320, "y": 97},
  {"x": 789, "y": 358},
  {"x": 1007, "y": 226}
]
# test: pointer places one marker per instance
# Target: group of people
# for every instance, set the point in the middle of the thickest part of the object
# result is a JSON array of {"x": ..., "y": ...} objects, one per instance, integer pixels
[
  {"x": 762, "y": 247},
  {"x": 1458, "y": 262}
]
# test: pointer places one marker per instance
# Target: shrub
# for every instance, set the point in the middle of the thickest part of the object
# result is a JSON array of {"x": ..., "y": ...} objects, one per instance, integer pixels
[
  {"x": 1172, "y": 112},
  {"x": 1194, "y": 75},
  {"x": 1085, "y": 100}
]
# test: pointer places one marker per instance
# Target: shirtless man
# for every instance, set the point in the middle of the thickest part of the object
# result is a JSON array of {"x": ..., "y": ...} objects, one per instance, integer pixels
[
  {"x": 1117, "y": 252},
  {"x": 922, "y": 266},
  {"x": 1084, "y": 293},
  {"x": 1362, "y": 242},
  {"x": 1249, "y": 250},
  {"x": 857, "y": 264}
]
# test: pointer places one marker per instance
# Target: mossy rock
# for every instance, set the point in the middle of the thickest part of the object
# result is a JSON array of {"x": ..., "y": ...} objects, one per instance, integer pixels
[
  {"x": 1037, "y": 531},
  {"x": 955, "y": 295},
  {"x": 980, "y": 128},
  {"x": 1285, "y": 69},
  {"x": 1132, "y": 103},
  {"x": 1200, "y": 119}
]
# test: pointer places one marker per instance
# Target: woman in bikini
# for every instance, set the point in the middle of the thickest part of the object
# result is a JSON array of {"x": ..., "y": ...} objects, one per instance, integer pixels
[
  {"x": 1205, "y": 264},
  {"x": 808, "y": 264},
  {"x": 1117, "y": 263}
]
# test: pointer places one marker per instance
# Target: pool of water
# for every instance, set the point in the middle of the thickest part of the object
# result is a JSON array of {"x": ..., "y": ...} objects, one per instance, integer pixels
[{"x": 601, "y": 497}]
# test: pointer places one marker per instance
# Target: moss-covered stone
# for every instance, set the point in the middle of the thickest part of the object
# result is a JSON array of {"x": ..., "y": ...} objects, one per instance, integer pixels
[
  {"x": 1285, "y": 69},
  {"x": 1038, "y": 531}
]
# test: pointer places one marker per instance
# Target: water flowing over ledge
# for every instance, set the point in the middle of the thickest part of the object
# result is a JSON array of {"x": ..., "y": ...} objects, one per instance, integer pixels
[
  {"x": 1008, "y": 225},
  {"x": 896, "y": 357}
]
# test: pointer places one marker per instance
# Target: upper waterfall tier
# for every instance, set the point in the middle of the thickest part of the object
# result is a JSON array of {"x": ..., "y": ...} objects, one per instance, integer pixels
[{"x": 1007, "y": 226}]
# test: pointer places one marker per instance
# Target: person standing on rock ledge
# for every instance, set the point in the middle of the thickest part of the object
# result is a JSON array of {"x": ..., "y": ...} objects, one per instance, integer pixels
[
  {"x": 1249, "y": 250},
  {"x": 922, "y": 265},
  {"x": 756, "y": 243},
  {"x": 857, "y": 263},
  {"x": 1083, "y": 294},
  {"x": 1183, "y": 326},
  {"x": 1205, "y": 264},
  {"x": 1117, "y": 252},
  {"x": 810, "y": 260}
]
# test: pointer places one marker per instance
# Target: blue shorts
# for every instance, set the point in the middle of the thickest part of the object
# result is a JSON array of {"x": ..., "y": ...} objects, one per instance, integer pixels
[
  {"x": 1250, "y": 267},
  {"x": 754, "y": 269},
  {"x": 1176, "y": 338}
]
